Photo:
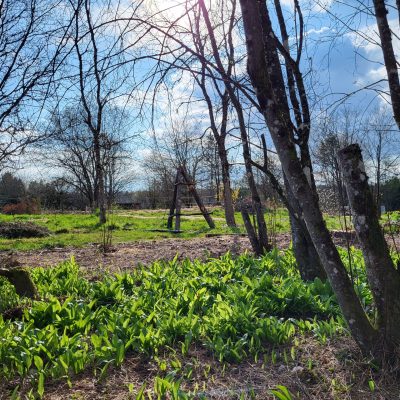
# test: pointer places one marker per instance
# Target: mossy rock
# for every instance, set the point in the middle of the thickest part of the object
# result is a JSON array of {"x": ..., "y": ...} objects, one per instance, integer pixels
[
  {"x": 22, "y": 281},
  {"x": 16, "y": 230}
]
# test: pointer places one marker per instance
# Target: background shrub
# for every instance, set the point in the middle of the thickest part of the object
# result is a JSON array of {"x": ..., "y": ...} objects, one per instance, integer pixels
[{"x": 23, "y": 207}]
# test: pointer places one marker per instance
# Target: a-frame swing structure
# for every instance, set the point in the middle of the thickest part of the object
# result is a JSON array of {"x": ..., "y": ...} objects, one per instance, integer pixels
[{"x": 183, "y": 179}]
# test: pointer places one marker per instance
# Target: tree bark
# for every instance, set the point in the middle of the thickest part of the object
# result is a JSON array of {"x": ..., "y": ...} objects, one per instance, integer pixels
[
  {"x": 307, "y": 258},
  {"x": 389, "y": 56},
  {"x": 267, "y": 79},
  {"x": 383, "y": 278},
  {"x": 251, "y": 233},
  {"x": 226, "y": 180}
]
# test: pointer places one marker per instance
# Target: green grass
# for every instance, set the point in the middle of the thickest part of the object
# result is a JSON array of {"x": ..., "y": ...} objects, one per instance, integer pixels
[
  {"x": 81, "y": 229},
  {"x": 235, "y": 308}
]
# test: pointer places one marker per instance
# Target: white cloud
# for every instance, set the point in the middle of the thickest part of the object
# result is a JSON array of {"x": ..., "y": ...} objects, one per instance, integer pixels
[
  {"x": 367, "y": 39},
  {"x": 316, "y": 6},
  {"x": 317, "y": 31},
  {"x": 366, "y": 42}
]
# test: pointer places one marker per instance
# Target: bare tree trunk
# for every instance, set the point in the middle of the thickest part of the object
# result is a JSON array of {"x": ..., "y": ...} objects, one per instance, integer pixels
[
  {"x": 267, "y": 79},
  {"x": 100, "y": 178},
  {"x": 389, "y": 56},
  {"x": 262, "y": 227},
  {"x": 251, "y": 233},
  {"x": 382, "y": 275},
  {"x": 226, "y": 180},
  {"x": 307, "y": 258},
  {"x": 219, "y": 134},
  {"x": 94, "y": 122}
]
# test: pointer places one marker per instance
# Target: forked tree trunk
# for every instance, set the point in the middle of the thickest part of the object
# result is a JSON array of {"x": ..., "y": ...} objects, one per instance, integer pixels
[
  {"x": 265, "y": 72},
  {"x": 266, "y": 76},
  {"x": 262, "y": 226},
  {"x": 383, "y": 277}
]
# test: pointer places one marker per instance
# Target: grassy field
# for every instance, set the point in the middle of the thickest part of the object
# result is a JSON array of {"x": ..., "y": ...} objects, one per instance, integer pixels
[
  {"x": 191, "y": 324},
  {"x": 127, "y": 226}
]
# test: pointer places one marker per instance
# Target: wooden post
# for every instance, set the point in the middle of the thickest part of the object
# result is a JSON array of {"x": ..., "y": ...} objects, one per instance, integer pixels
[
  {"x": 182, "y": 178},
  {"x": 193, "y": 192},
  {"x": 255, "y": 244},
  {"x": 173, "y": 204},
  {"x": 178, "y": 203}
]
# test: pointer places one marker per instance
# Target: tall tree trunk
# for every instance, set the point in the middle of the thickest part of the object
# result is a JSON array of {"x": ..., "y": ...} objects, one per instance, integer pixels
[
  {"x": 101, "y": 196},
  {"x": 385, "y": 35},
  {"x": 308, "y": 261},
  {"x": 307, "y": 258},
  {"x": 226, "y": 180},
  {"x": 262, "y": 227},
  {"x": 382, "y": 276},
  {"x": 267, "y": 79}
]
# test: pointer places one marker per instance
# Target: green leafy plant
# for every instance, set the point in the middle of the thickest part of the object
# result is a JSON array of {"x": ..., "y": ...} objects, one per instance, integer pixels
[
  {"x": 282, "y": 393},
  {"x": 236, "y": 308},
  {"x": 8, "y": 296}
]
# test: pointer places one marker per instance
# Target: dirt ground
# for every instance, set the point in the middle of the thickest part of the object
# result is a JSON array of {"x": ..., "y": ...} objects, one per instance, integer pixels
[{"x": 125, "y": 256}]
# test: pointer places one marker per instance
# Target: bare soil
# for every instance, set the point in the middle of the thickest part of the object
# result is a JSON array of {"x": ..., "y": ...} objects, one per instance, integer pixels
[{"x": 125, "y": 256}]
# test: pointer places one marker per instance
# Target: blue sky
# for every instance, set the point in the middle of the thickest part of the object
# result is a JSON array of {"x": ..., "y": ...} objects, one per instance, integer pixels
[
  {"x": 349, "y": 60},
  {"x": 336, "y": 62}
]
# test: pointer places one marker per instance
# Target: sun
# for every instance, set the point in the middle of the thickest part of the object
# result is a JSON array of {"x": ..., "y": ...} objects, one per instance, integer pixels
[{"x": 171, "y": 9}]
